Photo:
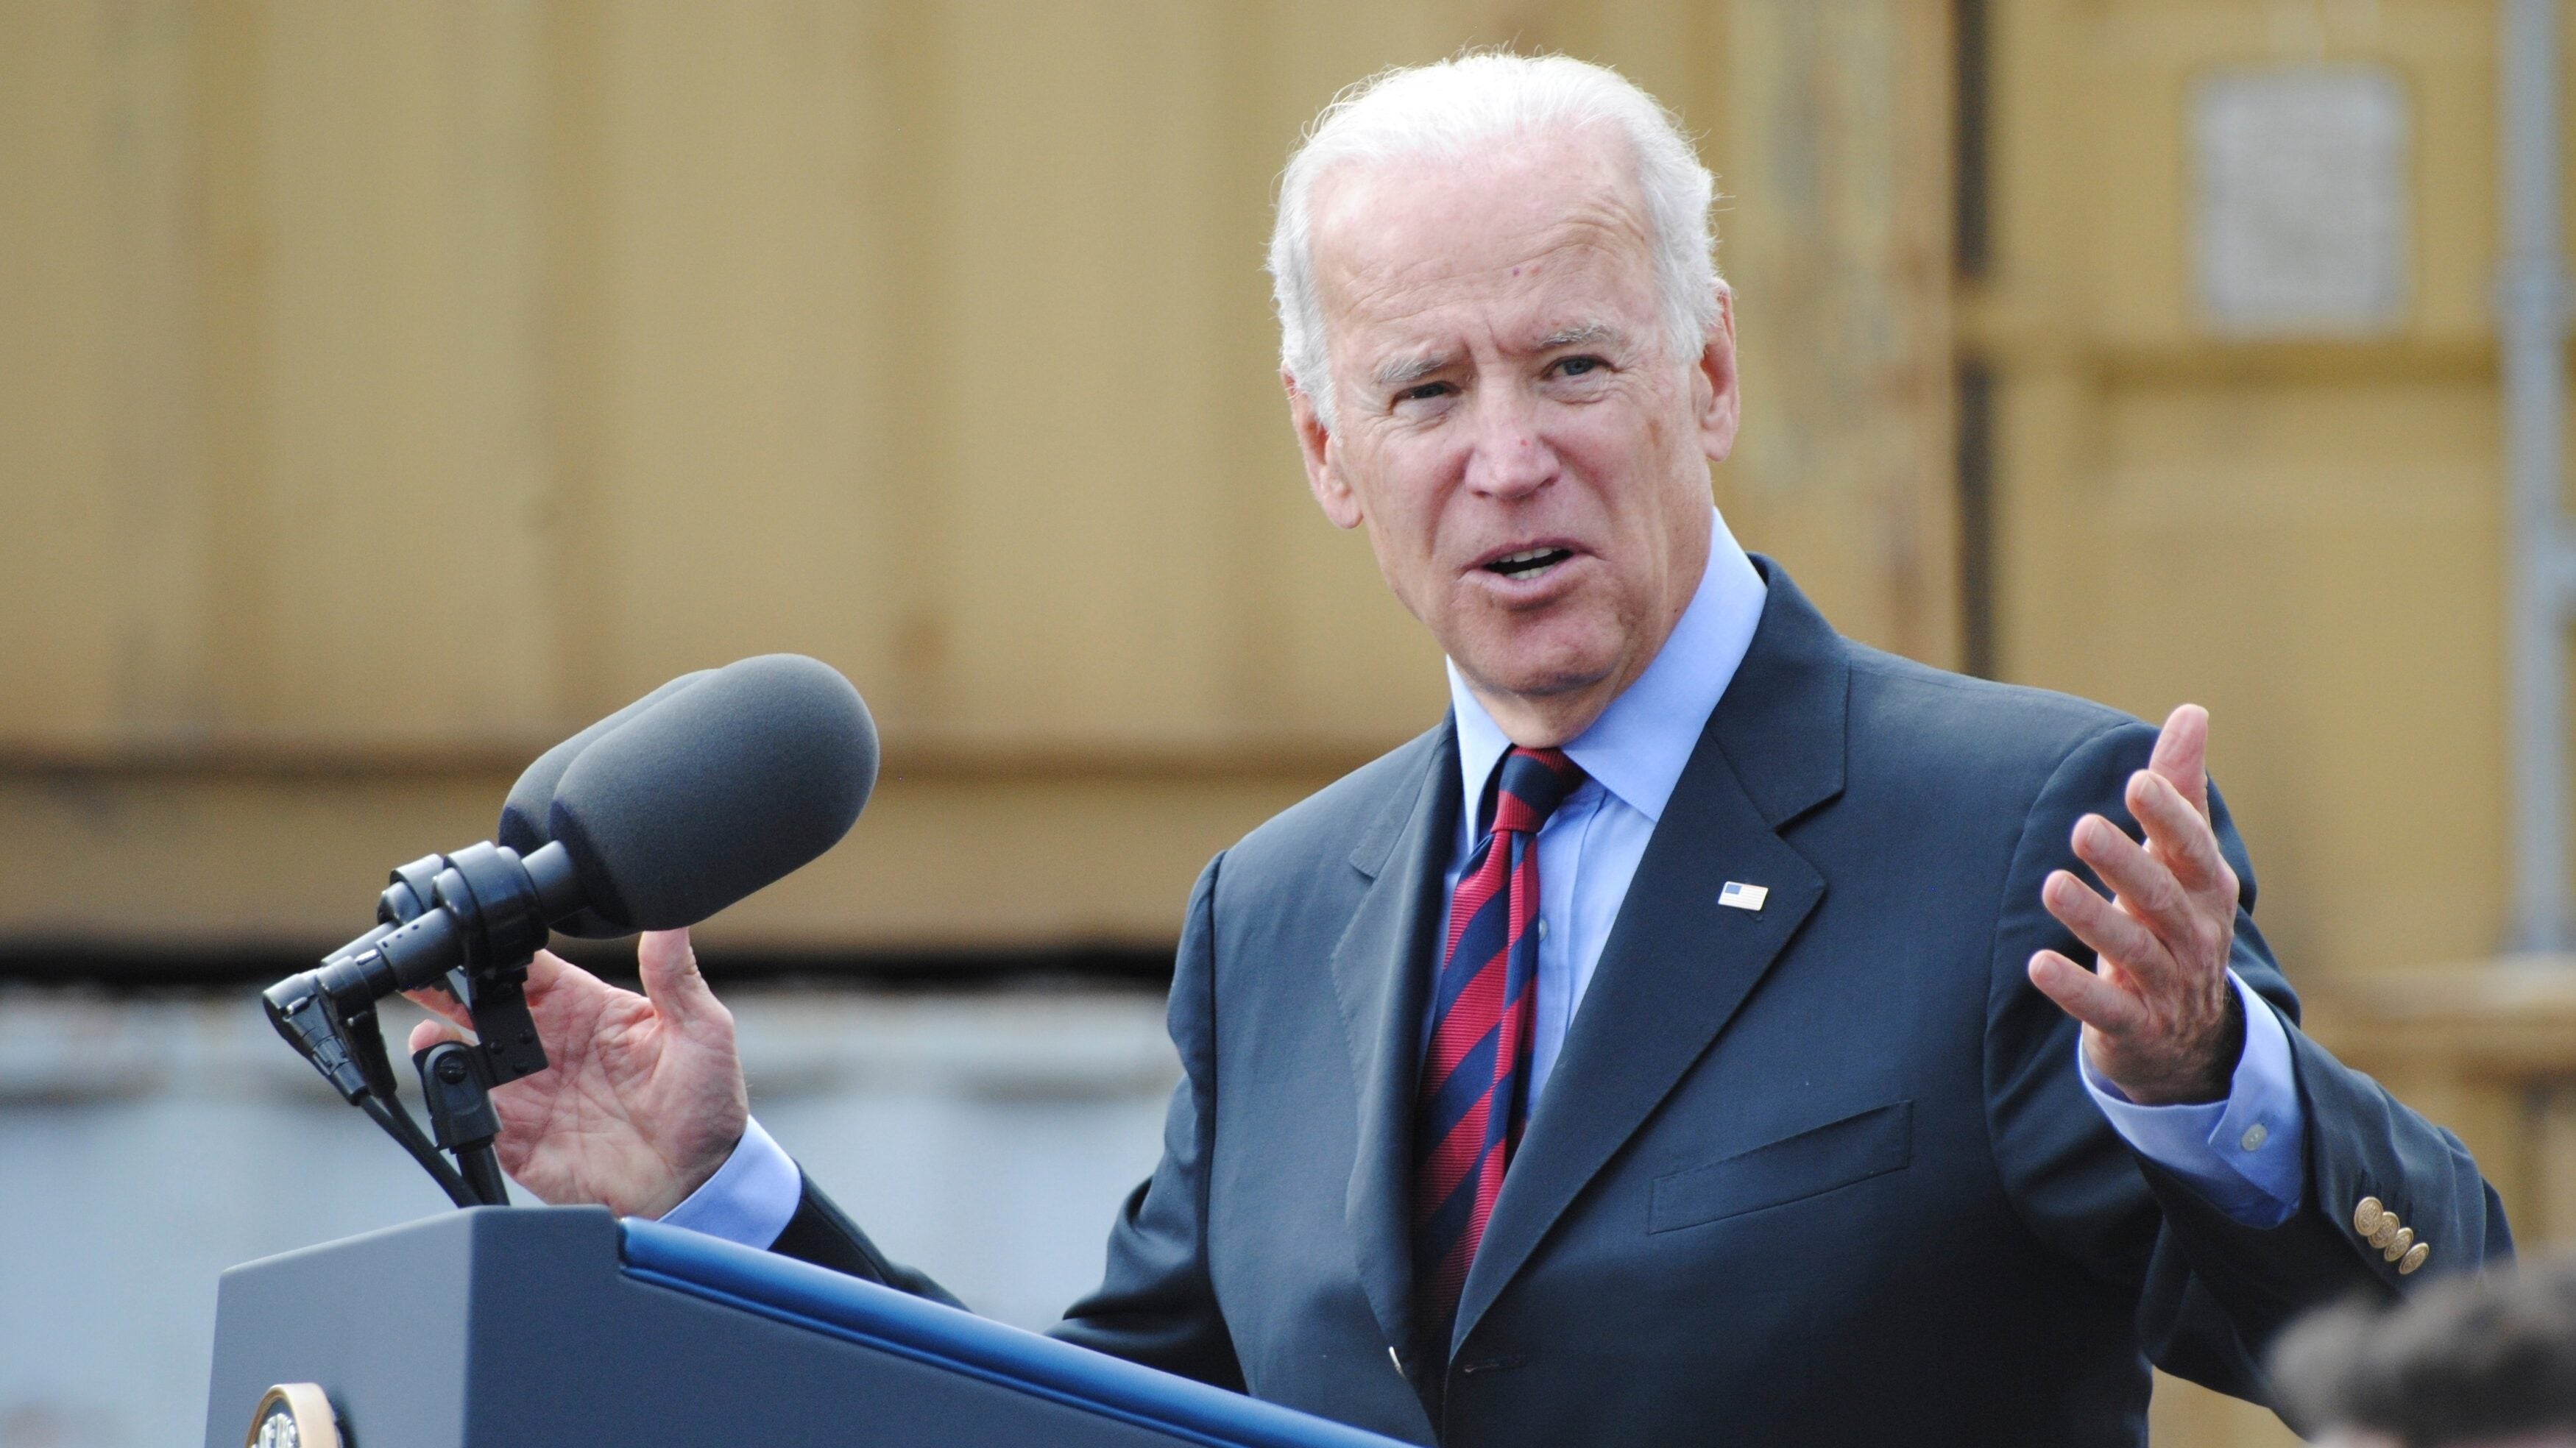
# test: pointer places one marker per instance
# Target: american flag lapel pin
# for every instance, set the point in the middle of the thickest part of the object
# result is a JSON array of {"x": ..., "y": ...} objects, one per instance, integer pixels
[{"x": 1739, "y": 896}]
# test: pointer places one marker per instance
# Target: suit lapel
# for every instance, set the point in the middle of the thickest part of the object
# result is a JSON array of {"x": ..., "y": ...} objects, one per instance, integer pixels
[
  {"x": 1678, "y": 965},
  {"x": 1381, "y": 978}
]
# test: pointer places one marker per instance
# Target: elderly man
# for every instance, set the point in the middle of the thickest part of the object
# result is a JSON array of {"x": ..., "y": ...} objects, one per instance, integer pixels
[{"x": 1712, "y": 1030}]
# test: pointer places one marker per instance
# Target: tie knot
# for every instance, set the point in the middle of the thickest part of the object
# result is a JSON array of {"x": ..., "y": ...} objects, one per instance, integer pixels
[{"x": 1533, "y": 783}]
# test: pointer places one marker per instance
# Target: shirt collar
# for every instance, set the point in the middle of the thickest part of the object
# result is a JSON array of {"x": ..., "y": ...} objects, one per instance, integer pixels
[{"x": 1637, "y": 748}]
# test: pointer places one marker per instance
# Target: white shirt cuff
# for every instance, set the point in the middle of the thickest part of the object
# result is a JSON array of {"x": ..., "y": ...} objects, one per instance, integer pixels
[
  {"x": 2246, "y": 1155},
  {"x": 750, "y": 1198}
]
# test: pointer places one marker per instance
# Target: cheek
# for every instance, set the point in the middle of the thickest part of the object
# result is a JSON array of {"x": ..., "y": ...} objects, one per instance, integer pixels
[
  {"x": 1619, "y": 446},
  {"x": 1639, "y": 437},
  {"x": 1407, "y": 493},
  {"x": 1665, "y": 421}
]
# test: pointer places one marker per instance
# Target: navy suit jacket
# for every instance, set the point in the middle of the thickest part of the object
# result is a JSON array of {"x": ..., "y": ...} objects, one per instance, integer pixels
[{"x": 1818, "y": 1173}]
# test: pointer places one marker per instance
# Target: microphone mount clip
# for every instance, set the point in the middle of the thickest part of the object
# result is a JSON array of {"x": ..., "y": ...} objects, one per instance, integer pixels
[{"x": 467, "y": 923}]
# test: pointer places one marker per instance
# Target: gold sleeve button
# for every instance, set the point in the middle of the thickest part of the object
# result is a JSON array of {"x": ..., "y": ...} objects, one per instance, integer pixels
[
  {"x": 2414, "y": 1258},
  {"x": 2387, "y": 1232},
  {"x": 2365, "y": 1217},
  {"x": 2399, "y": 1245}
]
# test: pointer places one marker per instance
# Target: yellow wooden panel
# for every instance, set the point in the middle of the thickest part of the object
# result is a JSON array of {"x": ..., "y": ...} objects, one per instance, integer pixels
[
  {"x": 101, "y": 513},
  {"x": 2304, "y": 535},
  {"x": 402, "y": 496},
  {"x": 404, "y": 385},
  {"x": 749, "y": 365},
  {"x": 1838, "y": 245},
  {"x": 193, "y": 860},
  {"x": 989, "y": 419},
  {"x": 2140, "y": 60},
  {"x": 1087, "y": 367},
  {"x": 2307, "y": 561}
]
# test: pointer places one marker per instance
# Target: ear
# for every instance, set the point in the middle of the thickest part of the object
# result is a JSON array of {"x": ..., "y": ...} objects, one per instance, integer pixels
[
  {"x": 1713, "y": 382},
  {"x": 1315, "y": 449}
]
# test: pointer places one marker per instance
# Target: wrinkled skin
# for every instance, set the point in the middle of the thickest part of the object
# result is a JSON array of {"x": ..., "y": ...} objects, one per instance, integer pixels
[
  {"x": 2160, "y": 1019},
  {"x": 644, "y": 1096},
  {"x": 1502, "y": 382}
]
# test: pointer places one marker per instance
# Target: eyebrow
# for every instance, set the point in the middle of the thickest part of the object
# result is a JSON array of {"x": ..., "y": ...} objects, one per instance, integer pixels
[
  {"x": 1405, "y": 371},
  {"x": 1578, "y": 335}
]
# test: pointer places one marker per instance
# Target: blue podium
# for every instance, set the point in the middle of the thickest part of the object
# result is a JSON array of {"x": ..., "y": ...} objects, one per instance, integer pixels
[{"x": 563, "y": 1326}]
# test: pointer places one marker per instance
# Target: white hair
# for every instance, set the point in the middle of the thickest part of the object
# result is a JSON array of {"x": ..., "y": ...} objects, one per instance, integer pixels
[{"x": 1446, "y": 110}]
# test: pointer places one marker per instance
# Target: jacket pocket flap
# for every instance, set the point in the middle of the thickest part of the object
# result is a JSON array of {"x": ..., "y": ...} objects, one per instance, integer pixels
[{"x": 1808, "y": 1164}]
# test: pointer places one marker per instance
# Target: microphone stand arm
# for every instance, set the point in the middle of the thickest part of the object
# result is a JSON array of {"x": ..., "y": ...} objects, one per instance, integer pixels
[
  {"x": 349, "y": 1051},
  {"x": 468, "y": 923}
]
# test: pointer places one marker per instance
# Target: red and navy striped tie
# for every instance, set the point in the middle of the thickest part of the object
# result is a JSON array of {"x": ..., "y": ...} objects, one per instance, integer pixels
[{"x": 1475, "y": 1078}]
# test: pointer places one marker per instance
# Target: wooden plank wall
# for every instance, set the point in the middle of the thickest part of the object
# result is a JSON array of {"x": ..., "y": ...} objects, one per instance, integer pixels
[
  {"x": 387, "y": 390},
  {"x": 2302, "y": 533}
]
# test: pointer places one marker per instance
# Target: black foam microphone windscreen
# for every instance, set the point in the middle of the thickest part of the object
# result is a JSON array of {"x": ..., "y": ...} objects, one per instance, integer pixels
[
  {"x": 524, "y": 826},
  {"x": 715, "y": 790}
]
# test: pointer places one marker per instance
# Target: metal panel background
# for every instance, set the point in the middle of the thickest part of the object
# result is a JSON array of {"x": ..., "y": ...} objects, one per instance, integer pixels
[
  {"x": 385, "y": 391},
  {"x": 391, "y": 390}
]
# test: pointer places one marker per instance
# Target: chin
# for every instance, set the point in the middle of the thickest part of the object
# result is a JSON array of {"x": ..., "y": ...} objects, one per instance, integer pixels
[{"x": 1538, "y": 668}]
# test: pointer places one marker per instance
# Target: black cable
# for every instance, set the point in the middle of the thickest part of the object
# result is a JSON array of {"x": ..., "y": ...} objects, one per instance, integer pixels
[{"x": 399, "y": 1125}]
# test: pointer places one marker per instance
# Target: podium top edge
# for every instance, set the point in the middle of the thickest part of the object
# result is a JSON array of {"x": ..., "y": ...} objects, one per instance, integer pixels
[
  {"x": 461, "y": 1223},
  {"x": 818, "y": 1299}
]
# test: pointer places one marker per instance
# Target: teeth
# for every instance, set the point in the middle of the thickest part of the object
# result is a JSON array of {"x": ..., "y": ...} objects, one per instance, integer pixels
[{"x": 1530, "y": 556}]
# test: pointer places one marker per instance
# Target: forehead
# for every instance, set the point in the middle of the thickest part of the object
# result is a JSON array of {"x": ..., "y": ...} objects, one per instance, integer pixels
[{"x": 1533, "y": 232}]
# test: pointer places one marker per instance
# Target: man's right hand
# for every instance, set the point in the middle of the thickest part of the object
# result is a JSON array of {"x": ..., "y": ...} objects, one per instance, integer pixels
[{"x": 644, "y": 1099}]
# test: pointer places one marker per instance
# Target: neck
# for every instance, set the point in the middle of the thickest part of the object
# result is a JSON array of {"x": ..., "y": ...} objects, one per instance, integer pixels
[{"x": 1547, "y": 721}]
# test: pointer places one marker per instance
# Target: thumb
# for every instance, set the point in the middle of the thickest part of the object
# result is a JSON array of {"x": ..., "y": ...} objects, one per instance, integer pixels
[
  {"x": 669, "y": 969},
  {"x": 2181, "y": 756},
  {"x": 429, "y": 1033}
]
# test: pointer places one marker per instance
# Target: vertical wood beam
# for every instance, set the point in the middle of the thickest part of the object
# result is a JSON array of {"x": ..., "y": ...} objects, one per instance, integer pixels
[
  {"x": 575, "y": 43},
  {"x": 1839, "y": 243},
  {"x": 230, "y": 126},
  {"x": 914, "y": 215}
]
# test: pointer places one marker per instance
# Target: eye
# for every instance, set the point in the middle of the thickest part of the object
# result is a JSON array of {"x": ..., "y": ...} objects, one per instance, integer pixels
[
  {"x": 1578, "y": 366},
  {"x": 1425, "y": 391}
]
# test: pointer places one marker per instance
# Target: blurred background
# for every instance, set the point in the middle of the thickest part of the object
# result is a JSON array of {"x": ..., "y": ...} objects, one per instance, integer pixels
[{"x": 387, "y": 390}]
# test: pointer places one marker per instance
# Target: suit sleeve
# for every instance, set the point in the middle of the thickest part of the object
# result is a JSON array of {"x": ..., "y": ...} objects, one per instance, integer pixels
[
  {"x": 822, "y": 1234},
  {"x": 1155, "y": 1304},
  {"x": 2211, "y": 1291}
]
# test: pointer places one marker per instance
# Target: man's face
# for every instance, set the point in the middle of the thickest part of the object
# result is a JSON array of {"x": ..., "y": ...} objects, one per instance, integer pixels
[{"x": 1513, "y": 428}]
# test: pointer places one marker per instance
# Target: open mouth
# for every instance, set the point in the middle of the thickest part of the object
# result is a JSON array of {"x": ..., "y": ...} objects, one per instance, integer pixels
[{"x": 1529, "y": 562}]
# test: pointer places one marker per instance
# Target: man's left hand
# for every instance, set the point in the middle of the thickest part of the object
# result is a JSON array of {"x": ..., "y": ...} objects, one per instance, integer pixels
[{"x": 2161, "y": 1020}]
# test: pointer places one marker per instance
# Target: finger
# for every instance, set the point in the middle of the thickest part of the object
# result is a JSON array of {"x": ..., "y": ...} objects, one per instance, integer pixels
[
  {"x": 557, "y": 986},
  {"x": 2150, "y": 896},
  {"x": 549, "y": 972},
  {"x": 2082, "y": 994},
  {"x": 2181, "y": 755},
  {"x": 2146, "y": 888},
  {"x": 2098, "y": 923},
  {"x": 2179, "y": 834},
  {"x": 439, "y": 1003},
  {"x": 669, "y": 968},
  {"x": 426, "y": 1034}
]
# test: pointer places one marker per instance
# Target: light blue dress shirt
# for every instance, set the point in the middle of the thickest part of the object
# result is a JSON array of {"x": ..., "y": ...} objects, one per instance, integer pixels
[{"x": 2244, "y": 1154}]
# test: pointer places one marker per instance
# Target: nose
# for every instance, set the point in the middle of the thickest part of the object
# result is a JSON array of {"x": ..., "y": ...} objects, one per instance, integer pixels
[{"x": 1508, "y": 459}]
